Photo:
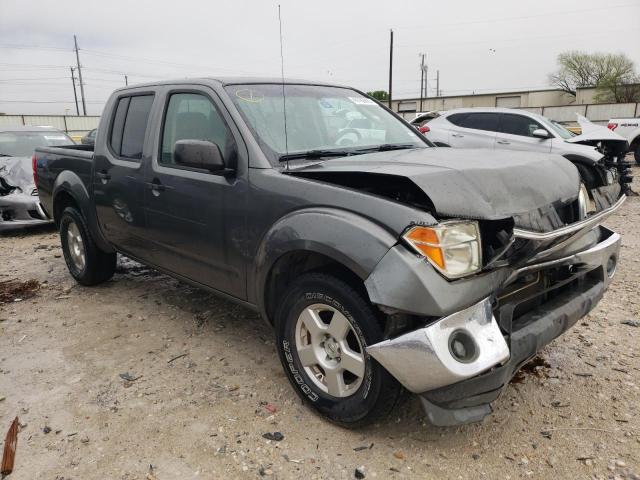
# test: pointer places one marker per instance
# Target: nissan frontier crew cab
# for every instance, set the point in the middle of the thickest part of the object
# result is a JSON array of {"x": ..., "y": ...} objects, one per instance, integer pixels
[{"x": 384, "y": 264}]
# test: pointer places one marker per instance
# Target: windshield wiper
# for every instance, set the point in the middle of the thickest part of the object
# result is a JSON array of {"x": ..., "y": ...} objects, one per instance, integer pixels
[
  {"x": 314, "y": 154},
  {"x": 5, "y": 155},
  {"x": 385, "y": 147}
]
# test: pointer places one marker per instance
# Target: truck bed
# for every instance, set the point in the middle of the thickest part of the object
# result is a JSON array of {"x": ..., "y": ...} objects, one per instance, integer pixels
[{"x": 50, "y": 162}]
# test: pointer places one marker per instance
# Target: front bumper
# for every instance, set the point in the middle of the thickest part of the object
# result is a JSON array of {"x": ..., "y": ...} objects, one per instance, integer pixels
[
  {"x": 506, "y": 336},
  {"x": 18, "y": 210}
]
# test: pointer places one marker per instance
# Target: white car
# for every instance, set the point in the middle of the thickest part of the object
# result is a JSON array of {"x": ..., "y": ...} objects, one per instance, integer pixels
[
  {"x": 19, "y": 201},
  {"x": 628, "y": 128},
  {"x": 597, "y": 151}
]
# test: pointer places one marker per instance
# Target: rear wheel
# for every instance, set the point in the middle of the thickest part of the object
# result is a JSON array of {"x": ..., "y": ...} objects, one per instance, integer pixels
[
  {"x": 323, "y": 326},
  {"x": 86, "y": 262}
]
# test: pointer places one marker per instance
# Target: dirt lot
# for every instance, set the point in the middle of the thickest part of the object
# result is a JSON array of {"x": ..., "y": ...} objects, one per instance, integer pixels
[{"x": 63, "y": 352}]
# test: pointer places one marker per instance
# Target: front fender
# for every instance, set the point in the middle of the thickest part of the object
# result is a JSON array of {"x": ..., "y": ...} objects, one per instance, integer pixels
[
  {"x": 348, "y": 238},
  {"x": 70, "y": 183}
]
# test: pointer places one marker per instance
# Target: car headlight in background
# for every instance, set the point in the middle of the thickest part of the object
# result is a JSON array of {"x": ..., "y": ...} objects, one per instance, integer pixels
[{"x": 451, "y": 247}]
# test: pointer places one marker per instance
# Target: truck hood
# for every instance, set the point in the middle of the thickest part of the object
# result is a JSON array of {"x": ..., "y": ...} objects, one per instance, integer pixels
[
  {"x": 593, "y": 134},
  {"x": 465, "y": 183}
]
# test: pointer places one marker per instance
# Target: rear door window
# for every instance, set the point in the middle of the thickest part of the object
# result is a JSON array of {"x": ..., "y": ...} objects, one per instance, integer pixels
[
  {"x": 130, "y": 125},
  {"x": 457, "y": 118},
  {"x": 115, "y": 139},
  {"x": 135, "y": 126},
  {"x": 481, "y": 121}
]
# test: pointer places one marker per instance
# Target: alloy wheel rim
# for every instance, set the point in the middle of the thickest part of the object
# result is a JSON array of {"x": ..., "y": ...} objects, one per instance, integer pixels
[
  {"x": 329, "y": 350},
  {"x": 76, "y": 246}
]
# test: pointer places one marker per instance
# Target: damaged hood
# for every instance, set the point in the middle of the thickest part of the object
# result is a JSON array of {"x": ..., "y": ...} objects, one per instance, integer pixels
[
  {"x": 16, "y": 172},
  {"x": 593, "y": 134},
  {"x": 468, "y": 183}
]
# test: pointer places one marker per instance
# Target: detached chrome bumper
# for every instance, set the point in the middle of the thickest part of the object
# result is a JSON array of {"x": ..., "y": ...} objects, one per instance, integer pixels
[
  {"x": 429, "y": 358},
  {"x": 457, "y": 389}
]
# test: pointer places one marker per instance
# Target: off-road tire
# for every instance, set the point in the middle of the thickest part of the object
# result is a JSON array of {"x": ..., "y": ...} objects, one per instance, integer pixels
[
  {"x": 378, "y": 393},
  {"x": 99, "y": 266}
]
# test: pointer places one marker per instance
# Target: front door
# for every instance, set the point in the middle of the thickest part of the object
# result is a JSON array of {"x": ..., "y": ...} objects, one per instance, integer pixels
[
  {"x": 195, "y": 218},
  {"x": 118, "y": 169},
  {"x": 516, "y": 133}
]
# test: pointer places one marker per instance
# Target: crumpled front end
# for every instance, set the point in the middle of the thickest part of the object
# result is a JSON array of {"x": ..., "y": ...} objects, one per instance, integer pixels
[
  {"x": 478, "y": 331},
  {"x": 19, "y": 202}
]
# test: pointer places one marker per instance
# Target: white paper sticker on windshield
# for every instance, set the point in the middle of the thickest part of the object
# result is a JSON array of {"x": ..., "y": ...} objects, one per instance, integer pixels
[
  {"x": 362, "y": 100},
  {"x": 55, "y": 137}
]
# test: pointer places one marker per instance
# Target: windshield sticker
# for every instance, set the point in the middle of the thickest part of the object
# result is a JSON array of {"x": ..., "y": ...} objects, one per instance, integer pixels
[
  {"x": 56, "y": 137},
  {"x": 362, "y": 100},
  {"x": 325, "y": 104},
  {"x": 249, "y": 95}
]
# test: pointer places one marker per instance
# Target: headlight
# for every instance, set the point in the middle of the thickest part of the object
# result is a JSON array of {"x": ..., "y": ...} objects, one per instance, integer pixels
[{"x": 451, "y": 247}]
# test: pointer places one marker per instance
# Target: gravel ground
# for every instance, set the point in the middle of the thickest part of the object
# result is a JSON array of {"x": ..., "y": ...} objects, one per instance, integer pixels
[{"x": 64, "y": 351}]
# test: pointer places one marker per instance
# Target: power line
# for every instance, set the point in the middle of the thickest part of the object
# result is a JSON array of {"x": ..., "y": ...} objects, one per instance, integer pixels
[
  {"x": 48, "y": 101},
  {"x": 32, "y": 78},
  {"x": 13, "y": 46}
]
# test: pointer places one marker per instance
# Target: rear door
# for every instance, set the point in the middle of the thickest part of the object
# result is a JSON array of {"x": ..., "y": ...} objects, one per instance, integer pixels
[
  {"x": 515, "y": 133},
  {"x": 195, "y": 218},
  {"x": 118, "y": 183},
  {"x": 473, "y": 129}
]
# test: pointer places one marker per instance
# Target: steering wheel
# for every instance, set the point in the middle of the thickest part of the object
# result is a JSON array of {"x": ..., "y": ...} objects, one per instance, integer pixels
[{"x": 348, "y": 137}]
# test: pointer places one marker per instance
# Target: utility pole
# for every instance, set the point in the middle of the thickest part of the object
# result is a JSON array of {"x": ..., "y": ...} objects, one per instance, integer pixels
[
  {"x": 126, "y": 81},
  {"x": 390, "y": 68},
  {"x": 437, "y": 83},
  {"x": 84, "y": 104},
  {"x": 75, "y": 95},
  {"x": 421, "y": 81}
]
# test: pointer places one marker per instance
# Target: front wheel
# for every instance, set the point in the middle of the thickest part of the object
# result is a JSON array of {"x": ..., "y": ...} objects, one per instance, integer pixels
[
  {"x": 636, "y": 153},
  {"x": 323, "y": 326},
  {"x": 86, "y": 262}
]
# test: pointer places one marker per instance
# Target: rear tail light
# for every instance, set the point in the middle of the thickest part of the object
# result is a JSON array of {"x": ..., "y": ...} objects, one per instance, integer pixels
[
  {"x": 35, "y": 171},
  {"x": 424, "y": 129},
  {"x": 612, "y": 126}
]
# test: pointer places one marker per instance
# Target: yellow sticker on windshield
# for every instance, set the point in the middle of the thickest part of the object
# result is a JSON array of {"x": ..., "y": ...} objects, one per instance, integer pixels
[{"x": 249, "y": 95}]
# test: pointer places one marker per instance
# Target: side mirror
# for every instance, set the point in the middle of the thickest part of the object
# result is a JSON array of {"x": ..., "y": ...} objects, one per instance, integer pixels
[
  {"x": 540, "y": 133},
  {"x": 200, "y": 154}
]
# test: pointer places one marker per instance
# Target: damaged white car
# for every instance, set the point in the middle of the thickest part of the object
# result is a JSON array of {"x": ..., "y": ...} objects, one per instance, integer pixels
[
  {"x": 597, "y": 152},
  {"x": 19, "y": 201}
]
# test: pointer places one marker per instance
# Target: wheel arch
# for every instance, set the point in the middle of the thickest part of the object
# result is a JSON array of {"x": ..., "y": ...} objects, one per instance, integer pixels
[
  {"x": 70, "y": 190},
  {"x": 588, "y": 169},
  {"x": 321, "y": 239}
]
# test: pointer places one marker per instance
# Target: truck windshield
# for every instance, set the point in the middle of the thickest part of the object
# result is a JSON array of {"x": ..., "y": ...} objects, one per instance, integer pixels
[
  {"x": 23, "y": 144},
  {"x": 318, "y": 119}
]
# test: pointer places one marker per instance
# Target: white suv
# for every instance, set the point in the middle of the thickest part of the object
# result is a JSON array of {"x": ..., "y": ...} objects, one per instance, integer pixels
[{"x": 510, "y": 129}]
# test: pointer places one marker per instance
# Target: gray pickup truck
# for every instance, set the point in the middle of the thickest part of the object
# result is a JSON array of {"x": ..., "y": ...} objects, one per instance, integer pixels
[{"x": 384, "y": 265}]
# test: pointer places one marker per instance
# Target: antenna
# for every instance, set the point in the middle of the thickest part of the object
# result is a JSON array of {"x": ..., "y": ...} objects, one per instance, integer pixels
[{"x": 284, "y": 98}]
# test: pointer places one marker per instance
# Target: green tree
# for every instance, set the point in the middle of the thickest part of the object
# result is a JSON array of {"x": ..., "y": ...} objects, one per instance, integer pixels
[
  {"x": 612, "y": 74},
  {"x": 380, "y": 95}
]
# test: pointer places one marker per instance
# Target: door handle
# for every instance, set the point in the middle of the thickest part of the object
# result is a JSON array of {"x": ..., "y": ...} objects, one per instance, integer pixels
[
  {"x": 503, "y": 142},
  {"x": 457, "y": 135},
  {"x": 156, "y": 187},
  {"x": 103, "y": 176}
]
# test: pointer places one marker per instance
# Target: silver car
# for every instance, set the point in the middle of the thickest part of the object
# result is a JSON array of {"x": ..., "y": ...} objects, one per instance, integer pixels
[
  {"x": 597, "y": 151},
  {"x": 19, "y": 202}
]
